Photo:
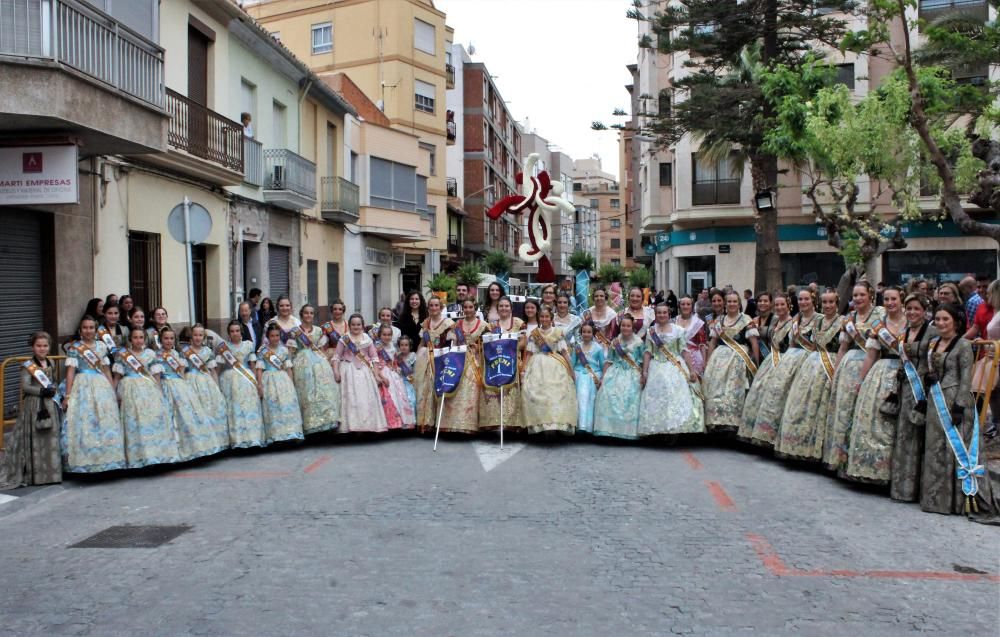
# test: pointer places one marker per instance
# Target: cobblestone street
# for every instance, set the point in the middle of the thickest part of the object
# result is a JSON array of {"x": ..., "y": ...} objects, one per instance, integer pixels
[{"x": 388, "y": 538}]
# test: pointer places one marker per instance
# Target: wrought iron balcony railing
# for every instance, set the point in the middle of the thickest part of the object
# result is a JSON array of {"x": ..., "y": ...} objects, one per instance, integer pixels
[
  {"x": 285, "y": 170},
  {"x": 202, "y": 132},
  {"x": 340, "y": 196}
]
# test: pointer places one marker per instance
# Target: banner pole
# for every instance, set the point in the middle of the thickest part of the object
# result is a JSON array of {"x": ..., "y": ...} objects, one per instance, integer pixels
[
  {"x": 437, "y": 430},
  {"x": 501, "y": 417}
]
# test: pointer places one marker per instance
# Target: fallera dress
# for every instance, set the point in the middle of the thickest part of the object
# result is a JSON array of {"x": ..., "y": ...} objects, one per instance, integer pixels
[
  {"x": 33, "y": 455},
  {"x": 395, "y": 393},
  {"x": 150, "y": 435},
  {"x": 641, "y": 319},
  {"x": 616, "y": 408},
  {"x": 405, "y": 366},
  {"x": 873, "y": 431},
  {"x": 432, "y": 336},
  {"x": 605, "y": 325},
  {"x": 774, "y": 389},
  {"x": 696, "y": 339},
  {"x": 588, "y": 366},
  {"x": 280, "y": 405},
  {"x": 854, "y": 331},
  {"x": 361, "y": 403},
  {"x": 727, "y": 373},
  {"x": 489, "y": 404},
  {"x": 315, "y": 384},
  {"x": 908, "y": 447},
  {"x": 239, "y": 386},
  {"x": 549, "y": 390},
  {"x": 570, "y": 326},
  {"x": 200, "y": 364},
  {"x": 775, "y": 337},
  {"x": 93, "y": 439},
  {"x": 670, "y": 403},
  {"x": 802, "y": 428},
  {"x": 196, "y": 437},
  {"x": 461, "y": 408}
]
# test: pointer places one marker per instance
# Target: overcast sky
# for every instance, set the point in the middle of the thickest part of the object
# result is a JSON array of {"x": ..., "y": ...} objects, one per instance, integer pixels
[{"x": 561, "y": 63}]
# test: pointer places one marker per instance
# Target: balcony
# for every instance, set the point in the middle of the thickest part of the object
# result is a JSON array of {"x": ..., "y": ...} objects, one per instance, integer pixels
[
  {"x": 65, "y": 48},
  {"x": 716, "y": 193},
  {"x": 455, "y": 245},
  {"x": 451, "y": 185},
  {"x": 202, "y": 143},
  {"x": 398, "y": 226},
  {"x": 972, "y": 10},
  {"x": 340, "y": 200},
  {"x": 449, "y": 72},
  {"x": 289, "y": 179},
  {"x": 253, "y": 162},
  {"x": 452, "y": 132}
]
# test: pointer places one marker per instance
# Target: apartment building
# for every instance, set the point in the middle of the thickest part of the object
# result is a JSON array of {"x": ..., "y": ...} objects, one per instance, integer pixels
[
  {"x": 600, "y": 191},
  {"x": 695, "y": 219},
  {"x": 396, "y": 52}
]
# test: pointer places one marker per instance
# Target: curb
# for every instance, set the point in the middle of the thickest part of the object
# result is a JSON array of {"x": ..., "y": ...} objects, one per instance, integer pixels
[{"x": 31, "y": 499}]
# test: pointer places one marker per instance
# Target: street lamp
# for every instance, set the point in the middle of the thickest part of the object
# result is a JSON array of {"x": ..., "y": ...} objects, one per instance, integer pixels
[
  {"x": 764, "y": 200},
  {"x": 481, "y": 190}
]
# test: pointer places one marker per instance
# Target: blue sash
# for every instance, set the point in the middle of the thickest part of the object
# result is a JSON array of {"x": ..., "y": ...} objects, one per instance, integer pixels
[
  {"x": 500, "y": 357},
  {"x": 911, "y": 373},
  {"x": 966, "y": 458}
]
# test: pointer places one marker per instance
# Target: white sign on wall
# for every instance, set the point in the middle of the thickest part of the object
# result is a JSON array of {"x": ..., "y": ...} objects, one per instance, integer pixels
[{"x": 31, "y": 175}]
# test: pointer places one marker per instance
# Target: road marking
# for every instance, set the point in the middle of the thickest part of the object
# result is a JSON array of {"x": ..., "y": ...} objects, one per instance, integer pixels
[
  {"x": 722, "y": 498},
  {"x": 770, "y": 559},
  {"x": 322, "y": 460},
  {"x": 230, "y": 475},
  {"x": 4, "y": 499},
  {"x": 491, "y": 456},
  {"x": 693, "y": 462}
]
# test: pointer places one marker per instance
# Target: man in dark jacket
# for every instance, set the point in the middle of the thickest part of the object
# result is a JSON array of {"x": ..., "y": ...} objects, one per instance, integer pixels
[{"x": 250, "y": 327}]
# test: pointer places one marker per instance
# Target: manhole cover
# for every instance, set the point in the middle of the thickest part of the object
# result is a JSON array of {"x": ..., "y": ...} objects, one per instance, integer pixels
[{"x": 132, "y": 537}]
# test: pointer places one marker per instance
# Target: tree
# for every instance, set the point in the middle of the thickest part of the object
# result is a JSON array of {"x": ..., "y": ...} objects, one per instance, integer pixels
[{"x": 720, "y": 102}]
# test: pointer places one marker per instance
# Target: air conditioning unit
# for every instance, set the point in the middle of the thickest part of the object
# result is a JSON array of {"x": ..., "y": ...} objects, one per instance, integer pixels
[{"x": 278, "y": 178}]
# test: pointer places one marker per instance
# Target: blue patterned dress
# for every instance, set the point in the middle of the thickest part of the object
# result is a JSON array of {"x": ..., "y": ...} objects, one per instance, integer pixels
[
  {"x": 616, "y": 411},
  {"x": 586, "y": 388},
  {"x": 196, "y": 434},
  {"x": 315, "y": 385},
  {"x": 150, "y": 436},
  {"x": 206, "y": 390},
  {"x": 407, "y": 365},
  {"x": 282, "y": 416},
  {"x": 239, "y": 387},
  {"x": 92, "y": 437},
  {"x": 669, "y": 403}
]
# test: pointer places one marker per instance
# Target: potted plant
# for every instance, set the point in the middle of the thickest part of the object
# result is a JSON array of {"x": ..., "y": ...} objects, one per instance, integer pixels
[
  {"x": 581, "y": 261},
  {"x": 640, "y": 277},
  {"x": 497, "y": 262},
  {"x": 440, "y": 285},
  {"x": 469, "y": 274},
  {"x": 610, "y": 273}
]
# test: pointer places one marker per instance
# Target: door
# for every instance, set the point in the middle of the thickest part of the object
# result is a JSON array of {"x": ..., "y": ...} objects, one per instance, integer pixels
[
  {"x": 698, "y": 281},
  {"x": 197, "y": 92},
  {"x": 376, "y": 293},
  {"x": 277, "y": 266},
  {"x": 200, "y": 278},
  {"x": 144, "y": 269},
  {"x": 21, "y": 301},
  {"x": 331, "y": 150}
]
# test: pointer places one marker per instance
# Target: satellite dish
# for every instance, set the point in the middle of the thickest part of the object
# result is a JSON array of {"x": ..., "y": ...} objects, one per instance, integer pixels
[{"x": 199, "y": 223}]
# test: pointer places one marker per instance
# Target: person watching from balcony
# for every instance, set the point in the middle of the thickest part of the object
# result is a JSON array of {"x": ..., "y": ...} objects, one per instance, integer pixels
[{"x": 247, "y": 120}]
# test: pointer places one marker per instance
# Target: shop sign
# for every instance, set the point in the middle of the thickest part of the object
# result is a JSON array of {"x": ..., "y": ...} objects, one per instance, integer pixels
[{"x": 32, "y": 175}]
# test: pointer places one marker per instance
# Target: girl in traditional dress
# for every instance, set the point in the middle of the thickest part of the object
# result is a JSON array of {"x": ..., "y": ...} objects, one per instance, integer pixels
[
  {"x": 315, "y": 384},
  {"x": 360, "y": 376},
  {"x": 280, "y": 404},
  {"x": 399, "y": 411},
  {"x": 947, "y": 373},
  {"x": 406, "y": 360},
  {"x": 384, "y": 319},
  {"x": 588, "y": 366},
  {"x": 196, "y": 435},
  {"x": 565, "y": 320},
  {"x": 489, "y": 404},
  {"x": 616, "y": 408},
  {"x": 412, "y": 318},
  {"x": 113, "y": 335},
  {"x": 549, "y": 387},
  {"x": 336, "y": 327},
  {"x": 846, "y": 380},
  {"x": 603, "y": 317},
  {"x": 236, "y": 360},
  {"x": 876, "y": 410},
  {"x": 434, "y": 332},
  {"x": 491, "y": 311},
  {"x": 157, "y": 325},
  {"x": 33, "y": 455},
  {"x": 732, "y": 351},
  {"x": 642, "y": 315},
  {"x": 266, "y": 311},
  {"x": 694, "y": 331},
  {"x": 774, "y": 337},
  {"x": 765, "y": 313},
  {"x": 461, "y": 410},
  {"x": 93, "y": 438},
  {"x": 204, "y": 383},
  {"x": 670, "y": 402},
  {"x": 531, "y": 307},
  {"x": 774, "y": 387},
  {"x": 284, "y": 320},
  {"x": 908, "y": 446},
  {"x": 802, "y": 428},
  {"x": 150, "y": 436},
  {"x": 136, "y": 319}
]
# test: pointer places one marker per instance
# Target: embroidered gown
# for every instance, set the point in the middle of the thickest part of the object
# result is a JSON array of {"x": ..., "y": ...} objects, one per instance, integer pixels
[
  {"x": 361, "y": 403},
  {"x": 844, "y": 393},
  {"x": 696, "y": 339},
  {"x": 775, "y": 338},
  {"x": 570, "y": 326},
  {"x": 641, "y": 319},
  {"x": 586, "y": 388},
  {"x": 315, "y": 384},
  {"x": 727, "y": 378},
  {"x": 669, "y": 404},
  {"x": 280, "y": 405},
  {"x": 489, "y": 404},
  {"x": 93, "y": 439},
  {"x": 196, "y": 437},
  {"x": 776, "y": 385},
  {"x": 246, "y": 420},
  {"x": 872, "y": 434},
  {"x": 207, "y": 393},
  {"x": 605, "y": 327},
  {"x": 802, "y": 428},
  {"x": 402, "y": 414},
  {"x": 150, "y": 434},
  {"x": 908, "y": 447},
  {"x": 405, "y": 366},
  {"x": 548, "y": 394},
  {"x": 33, "y": 457},
  {"x": 423, "y": 373},
  {"x": 616, "y": 408},
  {"x": 461, "y": 409}
]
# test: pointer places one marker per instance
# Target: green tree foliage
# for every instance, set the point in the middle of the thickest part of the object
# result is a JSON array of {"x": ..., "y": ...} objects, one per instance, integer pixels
[
  {"x": 581, "y": 260},
  {"x": 497, "y": 261}
]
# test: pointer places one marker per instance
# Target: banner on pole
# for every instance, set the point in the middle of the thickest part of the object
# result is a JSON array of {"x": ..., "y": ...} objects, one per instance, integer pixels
[
  {"x": 580, "y": 299},
  {"x": 500, "y": 354},
  {"x": 449, "y": 364}
]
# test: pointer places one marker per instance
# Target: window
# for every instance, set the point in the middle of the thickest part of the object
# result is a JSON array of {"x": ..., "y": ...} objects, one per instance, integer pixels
[
  {"x": 616, "y": 244},
  {"x": 616, "y": 203},
  {"x": 664, "y": 103},
  {"x": 332, "y": 282},
  {"x": 279, "y": 123},
  {"x": 616, "y": 261},
  {"x": 393, "y": 185},
  {"x": 616, "y": 223},
  {"x": 663, "y": 41},
  {"x": 423, "y": 36},
  {"x": 666, "y": 174},
  {"x": 845, "y": 75},
  {"x": 715, "y": 183},
  {"x": 432, "y": 150},
  {"x": 629, "y": 248},
  {"x": 144, "y": 268},
  {"x": 704, "y": 28},
  {"x": 247, "y": 99},
  {"x": 354, "y": 167},
  {"x": 357, "y": 290},
  {"x": 423, "y": 96},
  {"x": 594, "y": 203},
  {"x": 432, "y": 214},
  {"x": 422, "y": 194},
  {"x": 577, "y": 187},
  {"x": 312, "y": 281},
  {"x": 322, "y": 38}
]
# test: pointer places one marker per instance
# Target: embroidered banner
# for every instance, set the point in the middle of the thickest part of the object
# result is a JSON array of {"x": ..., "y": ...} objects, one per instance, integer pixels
[
  {"x": 449, "y": 365},
  {"x": 500, "y": 356}
]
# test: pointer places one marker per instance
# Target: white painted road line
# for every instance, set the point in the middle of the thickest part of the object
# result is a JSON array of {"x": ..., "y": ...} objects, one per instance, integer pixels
[
  {"x": 491, "y": 456},
  {"x": 4, "y": 499}
]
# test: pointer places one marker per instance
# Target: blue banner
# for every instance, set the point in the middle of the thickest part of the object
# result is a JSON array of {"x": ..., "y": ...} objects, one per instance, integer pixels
[
  {"x": 449, "y": 364},
  {"x": 500, "y": 354},
  {"x": 582, "y": 296}
]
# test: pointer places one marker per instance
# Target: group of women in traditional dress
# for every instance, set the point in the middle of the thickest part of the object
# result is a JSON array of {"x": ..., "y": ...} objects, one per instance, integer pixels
[{"x": 871, "y": 395}]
